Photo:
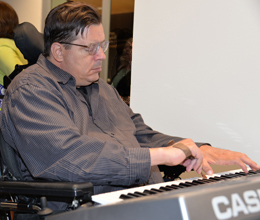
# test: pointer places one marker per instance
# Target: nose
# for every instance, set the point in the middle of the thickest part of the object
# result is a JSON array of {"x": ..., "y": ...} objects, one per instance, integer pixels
[{"x": 100, "y": 55}]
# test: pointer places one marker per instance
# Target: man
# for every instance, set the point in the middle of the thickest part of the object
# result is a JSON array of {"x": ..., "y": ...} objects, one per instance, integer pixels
[{"x": 66, "y": 124}]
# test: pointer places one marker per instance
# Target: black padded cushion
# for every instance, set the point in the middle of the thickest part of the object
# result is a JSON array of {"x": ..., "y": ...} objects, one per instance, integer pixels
[
  {"x": 9, "y": 162},
  {"x": 29, "y": 40}
]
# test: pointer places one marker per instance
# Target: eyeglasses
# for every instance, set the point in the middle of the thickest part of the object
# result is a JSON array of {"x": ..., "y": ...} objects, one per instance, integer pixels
[{"x": 92, "y": 48}]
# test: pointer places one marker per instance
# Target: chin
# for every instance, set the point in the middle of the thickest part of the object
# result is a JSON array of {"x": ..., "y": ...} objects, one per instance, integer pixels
[{"x": 95, "y": 79}]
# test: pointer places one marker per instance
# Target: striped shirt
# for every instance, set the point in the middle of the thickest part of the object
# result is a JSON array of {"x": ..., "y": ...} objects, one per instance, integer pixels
[{"x": 59, "y": 135}]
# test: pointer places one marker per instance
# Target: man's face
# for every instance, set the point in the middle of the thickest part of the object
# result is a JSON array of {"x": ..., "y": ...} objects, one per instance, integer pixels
[{"x": 77, "y": 60}]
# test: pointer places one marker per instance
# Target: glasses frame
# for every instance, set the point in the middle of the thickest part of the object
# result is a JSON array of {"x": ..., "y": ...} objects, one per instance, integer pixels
[{"x": 94, "y": 44}]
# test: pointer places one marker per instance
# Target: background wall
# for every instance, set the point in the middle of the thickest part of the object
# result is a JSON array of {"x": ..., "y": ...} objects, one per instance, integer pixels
[
  {"x": 196, "y": 70},
  {"x": 31, "y": 11}
]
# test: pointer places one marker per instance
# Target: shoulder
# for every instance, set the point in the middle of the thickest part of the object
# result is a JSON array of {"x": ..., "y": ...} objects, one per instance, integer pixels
[
  {"x": 6, "y": 43},
  {"x": 31, "y": 79},
  {"x": 10, "y": 53}
]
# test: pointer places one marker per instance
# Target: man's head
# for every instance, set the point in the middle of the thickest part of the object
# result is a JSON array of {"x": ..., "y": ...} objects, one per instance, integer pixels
[{"x": 74, "y": 41}]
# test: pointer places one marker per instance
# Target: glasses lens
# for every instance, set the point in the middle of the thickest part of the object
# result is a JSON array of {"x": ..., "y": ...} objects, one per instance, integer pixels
[
  {"x": 104, "y": 45},
  {"x": 93, "y": 48}
]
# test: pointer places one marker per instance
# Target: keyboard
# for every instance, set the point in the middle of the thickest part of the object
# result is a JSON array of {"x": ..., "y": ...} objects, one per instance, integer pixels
[
  {"x": 231, "y": 195},
  {"x": 119, "y": 196}
]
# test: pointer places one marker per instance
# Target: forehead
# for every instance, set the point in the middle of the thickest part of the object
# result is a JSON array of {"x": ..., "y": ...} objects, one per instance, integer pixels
[{"x": 93, "y": 34}]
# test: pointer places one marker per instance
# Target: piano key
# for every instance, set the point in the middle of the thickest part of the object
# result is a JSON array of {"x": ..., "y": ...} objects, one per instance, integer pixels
[
  {"x": 112, "y": 197},
  {"x": 166, "y": 188},
  {"x": 183, "y": 204},
  {"x": 173, "y": 187},
  {"x": 140, "y": 193},
  {"x": 126, "y": 196}
]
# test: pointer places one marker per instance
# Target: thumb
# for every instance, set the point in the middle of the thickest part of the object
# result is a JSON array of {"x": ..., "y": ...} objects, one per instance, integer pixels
[{"x": 206, "y": 167}]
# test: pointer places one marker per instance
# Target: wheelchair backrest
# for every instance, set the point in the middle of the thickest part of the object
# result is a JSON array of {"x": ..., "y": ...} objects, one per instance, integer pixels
[{"x": 30, "y": 42}]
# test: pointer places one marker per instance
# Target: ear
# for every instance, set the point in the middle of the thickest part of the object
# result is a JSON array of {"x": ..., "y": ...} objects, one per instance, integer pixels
[{"x": 56, "y": 50}]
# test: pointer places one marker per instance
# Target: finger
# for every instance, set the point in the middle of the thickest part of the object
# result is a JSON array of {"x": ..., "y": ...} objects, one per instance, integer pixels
[
  {"x": 186, "y": 162},
  {"x": 207, "y": 168},
  {"x": 242, "y": 166},
  {"x": 191, "y": 165},
  {"x": 198, "y": 166},
  {"x": 253, "y": 165},
  {"x": 200, "y": 169}
]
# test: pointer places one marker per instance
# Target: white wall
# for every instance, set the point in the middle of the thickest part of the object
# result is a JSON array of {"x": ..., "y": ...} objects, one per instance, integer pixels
[
  {"x": 196, "y": 70},
  {"x": 33, "y": 11}
]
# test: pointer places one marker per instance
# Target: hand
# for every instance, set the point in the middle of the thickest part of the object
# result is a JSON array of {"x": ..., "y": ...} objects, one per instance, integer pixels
[
  {"x": 225, "y": 157},
  {"x": 197, "y": 157},
  {"x": 171, "y": 156}
]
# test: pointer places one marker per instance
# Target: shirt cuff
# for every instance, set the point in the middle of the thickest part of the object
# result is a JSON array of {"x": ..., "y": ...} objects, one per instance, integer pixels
[{"x": 140, "y": 165}]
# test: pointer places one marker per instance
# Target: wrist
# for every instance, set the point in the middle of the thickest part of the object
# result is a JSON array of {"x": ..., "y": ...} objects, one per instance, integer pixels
[{"x": 157, "y": 156}]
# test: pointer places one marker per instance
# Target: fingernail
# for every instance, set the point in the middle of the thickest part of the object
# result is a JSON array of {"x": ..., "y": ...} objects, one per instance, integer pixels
[{"x": 209, "y": 172}]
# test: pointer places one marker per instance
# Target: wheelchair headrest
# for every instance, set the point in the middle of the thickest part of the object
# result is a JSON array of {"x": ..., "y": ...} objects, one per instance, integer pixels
[{"x": 29, "y": 41}]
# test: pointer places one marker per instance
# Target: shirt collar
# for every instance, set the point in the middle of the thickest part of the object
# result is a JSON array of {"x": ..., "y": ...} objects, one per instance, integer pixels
[{"x": 61, "y": 76}]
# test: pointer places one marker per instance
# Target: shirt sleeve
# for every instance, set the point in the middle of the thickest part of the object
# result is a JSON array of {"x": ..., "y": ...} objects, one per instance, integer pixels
[
  {"x": 149, "y": 138},
  {"x": 38, "y": 125}
]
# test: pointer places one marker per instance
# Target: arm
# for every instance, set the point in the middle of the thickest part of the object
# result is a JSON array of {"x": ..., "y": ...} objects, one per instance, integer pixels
[
  {"x": 162, "y": 155},
  {"x": 172, "y": 155},
  {"x": 149, "y": 138},
  {"x": 52, "y": 147}
]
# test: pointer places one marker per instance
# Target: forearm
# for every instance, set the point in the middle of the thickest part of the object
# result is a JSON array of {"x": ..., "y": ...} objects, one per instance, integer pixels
[
  {"x": 147, "y": 137},
  {"x": 53, "y": 146},
  {"x": 111, "y": 165}
]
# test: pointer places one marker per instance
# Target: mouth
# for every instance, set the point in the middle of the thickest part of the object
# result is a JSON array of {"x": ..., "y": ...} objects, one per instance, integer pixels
[{"x": 97, "y": 69}]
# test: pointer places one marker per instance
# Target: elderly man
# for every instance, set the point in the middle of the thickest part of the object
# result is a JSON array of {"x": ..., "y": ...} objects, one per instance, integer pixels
[{"x": 67, "y": 124}]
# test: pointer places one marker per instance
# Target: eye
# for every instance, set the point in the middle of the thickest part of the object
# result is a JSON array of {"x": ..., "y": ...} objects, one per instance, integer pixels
[
  {"x": 92, "y": 48},
  {"x": 103, "y": 44}
]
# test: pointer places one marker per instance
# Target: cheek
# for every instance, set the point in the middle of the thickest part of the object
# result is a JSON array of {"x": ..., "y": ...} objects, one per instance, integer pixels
[{"x": 86, "y": 65}]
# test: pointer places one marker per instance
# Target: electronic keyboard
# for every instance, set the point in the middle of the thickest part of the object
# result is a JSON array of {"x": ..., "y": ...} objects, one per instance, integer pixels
[
  {"x": 119, "y": 196},
  {"x": 224, "y": 196}
]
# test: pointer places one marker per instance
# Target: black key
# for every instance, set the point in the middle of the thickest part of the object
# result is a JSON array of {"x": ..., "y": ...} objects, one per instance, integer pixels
[
  {"x": 156, "y": 190},
  {"x": 133, "y": 194},
  {"x": 233, "y": 175},
  {"x": 149, "y": 192},
  {"x": 140, "y": 193},
  {"x": 178, "y": 186},
  {"x": 217, "y": 178},
  {"x": 125, "y": 196},
  {"x": 171, "y": 187},
  {"x": 199, "y": 182},
  {"x": 185, "y": 184},
  {"x": 203, "y": 181},
  {"x": 242, "y": 174},
  {"x": 165, "y": 188}
]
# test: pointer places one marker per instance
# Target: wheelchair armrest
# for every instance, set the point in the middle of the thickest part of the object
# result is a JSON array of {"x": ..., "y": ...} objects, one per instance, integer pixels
[{"x": 56, "y": 189}]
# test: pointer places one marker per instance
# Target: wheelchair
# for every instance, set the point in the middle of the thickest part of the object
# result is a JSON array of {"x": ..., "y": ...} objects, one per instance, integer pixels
[
  {"x": 20, "y": 199},
  {"x": 30, "y": 42}
]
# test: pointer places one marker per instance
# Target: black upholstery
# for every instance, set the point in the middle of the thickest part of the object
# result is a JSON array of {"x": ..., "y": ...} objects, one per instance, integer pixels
[
  {"x": 30, "y": 197},
  {"x": 30, "y": 42},
  {"x": 9, "y": 166}
]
